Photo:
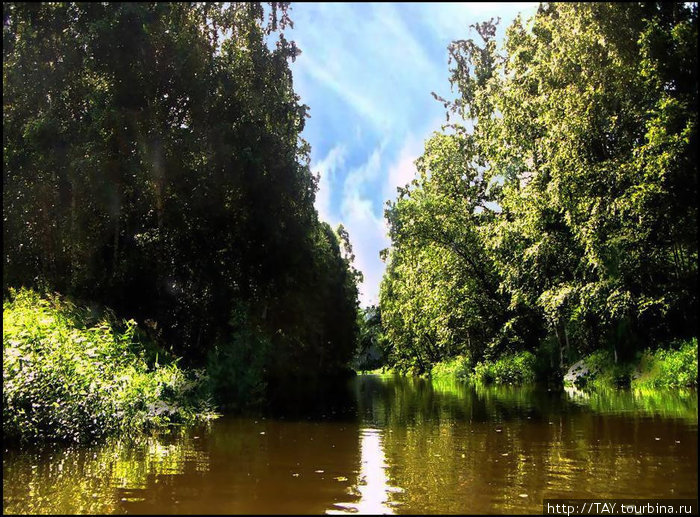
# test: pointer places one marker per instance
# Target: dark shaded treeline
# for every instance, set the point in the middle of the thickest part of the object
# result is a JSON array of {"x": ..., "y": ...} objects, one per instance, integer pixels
[{"x": 153, "y": 163}]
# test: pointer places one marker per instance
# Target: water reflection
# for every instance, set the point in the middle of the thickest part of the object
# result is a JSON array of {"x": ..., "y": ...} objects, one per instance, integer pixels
[
  {"x": 456, "y": 448},
  {"x": 667, "y": 403},
  {"x": 94, "y": 479},
  {"x": 450, "y": 447},
  {"x": 373, "y": 486}
]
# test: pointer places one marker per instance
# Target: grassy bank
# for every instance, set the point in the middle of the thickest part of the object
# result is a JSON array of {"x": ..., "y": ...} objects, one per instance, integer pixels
[
  {"x": 508, "y": 369},
  {"x": 673, "y": 366},
  {"x": 71, "y": 374}
]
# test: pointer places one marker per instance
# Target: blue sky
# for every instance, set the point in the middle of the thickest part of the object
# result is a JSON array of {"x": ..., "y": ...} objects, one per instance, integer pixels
[{"x": 366, "y": 71}]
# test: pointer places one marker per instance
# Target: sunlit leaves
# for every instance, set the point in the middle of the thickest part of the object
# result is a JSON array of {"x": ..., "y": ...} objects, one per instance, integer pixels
[{"x": 569, "y": 191}]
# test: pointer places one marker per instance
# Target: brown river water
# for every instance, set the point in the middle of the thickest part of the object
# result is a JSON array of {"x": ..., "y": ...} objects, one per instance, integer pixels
[{"x": 379, "y": 444}]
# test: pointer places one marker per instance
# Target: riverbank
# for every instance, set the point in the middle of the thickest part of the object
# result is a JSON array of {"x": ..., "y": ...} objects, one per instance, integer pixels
[
  {"x": 74, "y": 374},
  {"x": 672, "y": 366}
]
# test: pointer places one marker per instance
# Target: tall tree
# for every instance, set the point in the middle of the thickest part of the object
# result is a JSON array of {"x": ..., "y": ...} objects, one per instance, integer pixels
[
  {"x": 578, "y": 142},
  {"x": 153, "y": 162}
]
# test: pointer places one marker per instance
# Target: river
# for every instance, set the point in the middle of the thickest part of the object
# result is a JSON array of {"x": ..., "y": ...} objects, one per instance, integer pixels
[{"x": 379, "y": 444}]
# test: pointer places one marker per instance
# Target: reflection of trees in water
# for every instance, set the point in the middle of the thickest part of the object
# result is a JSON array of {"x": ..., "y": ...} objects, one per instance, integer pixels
[
  {"x": 456, "y": 448},
  {"x": 93, "y": 479},
  {"x": 399, "y": 400},
  {"x": 262, "y": 465},
  {"x": 239, "y": 465},
  {"x": 681, "y": 403},
  {"x": 451, "y": 447}
]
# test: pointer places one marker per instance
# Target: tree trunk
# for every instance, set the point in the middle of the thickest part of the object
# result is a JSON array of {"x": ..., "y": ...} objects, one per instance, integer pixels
[{"x": 561, "y": 348}]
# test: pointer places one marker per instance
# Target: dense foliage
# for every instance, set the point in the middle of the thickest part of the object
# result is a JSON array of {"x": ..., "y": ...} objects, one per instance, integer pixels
[
  {"x": 676, "y": 367},
  {"x": 372, "y": 346},
  {"x": 71, "y": 374},
  {"x": 153, "y": 164},
  {"x": 557, "y": 213},
  {"x": 508, "y": 369}
]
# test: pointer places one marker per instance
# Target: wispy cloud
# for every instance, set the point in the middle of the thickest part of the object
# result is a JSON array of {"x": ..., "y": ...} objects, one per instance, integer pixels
[
  {"x": 366, "y": 71},
  {"x": 362, "y": 104},
  {"x": 367, "y": 56},
  {"x": 326, "y": 169}
]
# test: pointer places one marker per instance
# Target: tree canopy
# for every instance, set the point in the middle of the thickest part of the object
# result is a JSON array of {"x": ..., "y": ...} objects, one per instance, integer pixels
[
  {"x": 559, "y": 205},
  {"x": 153, "y": 163}
]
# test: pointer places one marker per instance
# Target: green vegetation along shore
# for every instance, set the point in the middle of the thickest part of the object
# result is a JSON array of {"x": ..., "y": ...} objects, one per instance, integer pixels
[
  {"x": 675, "y": 366},
  {"x": 73, "y": 374},
  {"x": 554, "y": 217},
  {"x": 551, "y": 223}
]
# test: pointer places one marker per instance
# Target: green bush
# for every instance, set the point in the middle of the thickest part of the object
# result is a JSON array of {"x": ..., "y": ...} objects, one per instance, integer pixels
[
  {"x": 675, "y": 367},
  {"x": 458, "y": 367},
  {"x": 71, "y": 375},
  {"x": 605, "y": 372},
  {"x": 509, "y": 369},
  {"x": 237, "y": 370}
]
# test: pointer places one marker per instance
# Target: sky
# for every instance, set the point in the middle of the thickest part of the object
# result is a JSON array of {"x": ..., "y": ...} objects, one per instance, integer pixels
[{"x": 367, "y": 71}]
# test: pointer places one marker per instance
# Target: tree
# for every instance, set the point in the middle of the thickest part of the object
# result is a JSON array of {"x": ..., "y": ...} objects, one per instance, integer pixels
[
  {"x": 563, "y": 194},
  {"x": 153, "y": 163}
]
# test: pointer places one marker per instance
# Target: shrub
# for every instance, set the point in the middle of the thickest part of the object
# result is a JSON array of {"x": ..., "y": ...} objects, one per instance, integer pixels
[
  {"x": 72, "y": 375},
  {"x": 675, "y": 367},
  {"x": 458, "y": 367},
  {"x": 237, "y": 370},
  {"x": 509, "y": 369},
  {"x": 604, "y": 372}
]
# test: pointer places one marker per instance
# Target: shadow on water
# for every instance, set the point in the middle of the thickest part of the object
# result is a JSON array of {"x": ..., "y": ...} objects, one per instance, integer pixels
[
  {"x": 312, "y": 399},
  {"x": 379, "y": 444}
]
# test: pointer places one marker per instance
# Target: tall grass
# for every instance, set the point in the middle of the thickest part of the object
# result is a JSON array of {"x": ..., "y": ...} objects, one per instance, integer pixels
[
  {"x": 72, "y": 375},
  {"x": 674, "y": 367},
  {"x": 508, "y": 369}
]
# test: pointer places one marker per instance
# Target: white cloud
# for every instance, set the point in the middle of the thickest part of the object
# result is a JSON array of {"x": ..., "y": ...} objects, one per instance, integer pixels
[
  {"x": 368, "y": 237},
  {"x": 365, "y": 227},
  {"x": 367, "y": 71},
  {"x": 364, "y": 175},
  {"x": 326, "y": 170},
  {"x": 403, "y": 170},
  {"x": 362, "y": 209},
  {"x": 362, "y": 217}
]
